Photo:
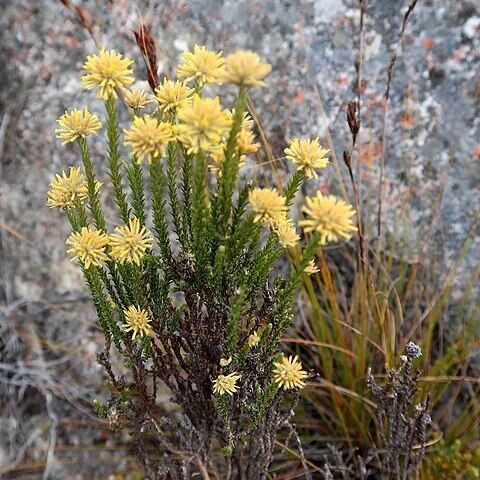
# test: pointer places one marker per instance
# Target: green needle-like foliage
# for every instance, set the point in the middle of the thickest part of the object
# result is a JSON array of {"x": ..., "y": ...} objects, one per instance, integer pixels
[{"x": 196, "y": 304}]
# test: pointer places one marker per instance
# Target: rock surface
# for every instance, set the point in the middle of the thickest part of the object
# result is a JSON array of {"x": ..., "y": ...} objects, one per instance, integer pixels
[{"x": 432, "y": 157}]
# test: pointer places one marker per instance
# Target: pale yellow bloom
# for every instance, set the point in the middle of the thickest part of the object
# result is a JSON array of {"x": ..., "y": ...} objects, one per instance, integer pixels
[
  {"x": 203, "y": 66},
  {"x": 218, "y": 157},
  {"x": 225, "y": 361},
  {"x": 107, "y": 71},
  {"x": 288, "y": 373},
  {"x": 66, "y": 188},
  {"x": 77, "y": 124},
  {"x": 311, "y": 268},
  {"x": 245, "y": 68},
  {"x": 287, "y": 235},
  {"x": 308, "y": 155},
  {"x": 328, "y": 216},
  {"x": 137, "y": 321},
  {"x": 130, "y": 242},
  {"x": 136, "y": 98},
  {"x": 172, "y": 95},
  {"x": 148, "y": 137},
  {"x": 247, "y": 120},
  {"x": 268, "y": 206},
  {"x": 88, "y": 246},
  {"x": 203, "y": 125},
  {"x": 253, "y": 339},
  {"x": 245, "y": 144},
  {"x": 226, "y": 384}
]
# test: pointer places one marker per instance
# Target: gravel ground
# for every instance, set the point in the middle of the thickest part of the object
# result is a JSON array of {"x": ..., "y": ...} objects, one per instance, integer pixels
[{"x": 48, "y": 338}]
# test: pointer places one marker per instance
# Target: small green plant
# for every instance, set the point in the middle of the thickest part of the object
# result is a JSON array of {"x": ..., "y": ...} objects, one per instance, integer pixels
[
  {"x": 184, "y": 287},
  {"x": 447, "y": 461}
]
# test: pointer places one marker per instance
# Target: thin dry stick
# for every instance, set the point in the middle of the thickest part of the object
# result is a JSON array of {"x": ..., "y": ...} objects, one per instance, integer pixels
[
  {"x": 391, "y": 68},
  {"x": 354, "y": 122},
  {"x": 85, "y": 19},
  {"x": 202, "y": 469}
]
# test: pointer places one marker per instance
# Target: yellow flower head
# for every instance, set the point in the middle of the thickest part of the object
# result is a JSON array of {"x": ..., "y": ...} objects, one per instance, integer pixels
[
  {"x": 226, "y": 361},
  {"x": 172, "y": 95},
  {"x": 245, "y": 144},
  {"x": 226, "y": 384},
  {"x": 268, "y": 206},
  {"x": 148, "y": 137},
  {"x": 247, "y": 120},
  {"x": 88, "y": 246},
  {"x": 245, "y": 141},
  {"x": 245, "y": 68},
  {"x": 253, "y": 339},
  {"x": 308, "y": 155},
  {"x": 65, "y": 189},
  {"x": 218, "y": 157},
  {"x": 107, "y": 71},
  {"x": 77, "y": 124},
  {"x": 203, "y": 66},
  {"x": 137, "y": 321},
  {"x": 136, "y": 98},
  {"x": 329, "y": 216},
  {"x": 288, "y": 373},
  {"x": 130, "y": 242},
  {"x": 287, "y": 235},
  {"x": 203, "y": 125},
  {"x": 311, "y": 268}
]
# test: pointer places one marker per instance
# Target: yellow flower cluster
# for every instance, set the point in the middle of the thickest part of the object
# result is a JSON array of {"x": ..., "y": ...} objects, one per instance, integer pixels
[
  {"x": 77, "y": 124},
  {"x": 107, "y": 71},
  {"x": 130, "y": 242},
  {"x": 268, "y": 206},
  {"x": 311, "y": 268},
  {"x": 308, "y": 155},
  {"x": 244, "y": 144},
  {"x": 172, "y": 95},
  {"x": 224, "y": 362},
  {"x": 226, "y": 384},
  {"x": 329, "y": 216},
  {"x": 203, "y": 125},
  {"x": 288, "y": 373},
  {"x": 253, "y": 339},
  {"x": 244, "y": 68},
  {"x": 201, "y": 65},
  {"x": 65, "y": 189},
  {"x": 136, "y": 98},
  {"x": 287, "y": 234},
  {"x": 148, "y": 137},
  {"x": 88, "y": 246},
  {"x": 137, "y": 321}
]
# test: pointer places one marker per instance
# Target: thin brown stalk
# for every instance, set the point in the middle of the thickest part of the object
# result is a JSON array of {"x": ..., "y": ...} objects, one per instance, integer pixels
[
  {"x": 84, "y": 17},
  {"x": 146, "y": 43},
  {"x": 391, "y": 69}
]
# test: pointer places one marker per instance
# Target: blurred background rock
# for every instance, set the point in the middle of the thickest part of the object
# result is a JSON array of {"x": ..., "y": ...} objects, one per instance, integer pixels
[{"x": 48, "y": 338}]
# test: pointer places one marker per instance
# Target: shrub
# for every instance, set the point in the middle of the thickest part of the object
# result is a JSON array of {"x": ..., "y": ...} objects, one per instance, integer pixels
[{"x": 185, "y": 291}]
